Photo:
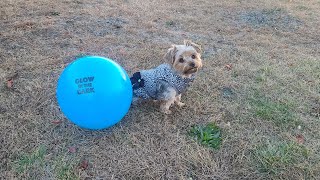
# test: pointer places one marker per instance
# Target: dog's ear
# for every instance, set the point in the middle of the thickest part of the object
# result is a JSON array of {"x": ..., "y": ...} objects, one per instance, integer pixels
[
  {"x": 170, "y": 55},
  {"x": 194, "y": 45}
]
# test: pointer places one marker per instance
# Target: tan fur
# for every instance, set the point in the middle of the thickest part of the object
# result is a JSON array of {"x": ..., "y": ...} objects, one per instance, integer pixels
[
  {"x": 165, "y": 105},
  {"x": 184, "y": 51},
  {"x": 170, "y": 55},
  {"x": 178, "y": 101},
  {"x": 185, "y": 69}
]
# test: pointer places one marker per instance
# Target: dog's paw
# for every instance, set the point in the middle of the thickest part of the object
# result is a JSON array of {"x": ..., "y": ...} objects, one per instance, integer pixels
[
  {"x": 181, "y": 104},
  {"x": 166, "y": 111}
]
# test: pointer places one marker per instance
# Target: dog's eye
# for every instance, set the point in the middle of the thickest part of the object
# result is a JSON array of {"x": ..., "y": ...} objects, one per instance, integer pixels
[
  {"x": 181, "y": 60},
  {"x": 193, "y": 56}
]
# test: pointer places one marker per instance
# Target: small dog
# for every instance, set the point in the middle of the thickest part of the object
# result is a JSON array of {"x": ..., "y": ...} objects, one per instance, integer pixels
[{"x": 168, "y": 81}]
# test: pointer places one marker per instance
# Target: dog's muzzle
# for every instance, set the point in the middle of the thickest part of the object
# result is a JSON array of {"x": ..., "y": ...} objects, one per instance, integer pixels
[{"x": 191, "y": 70}]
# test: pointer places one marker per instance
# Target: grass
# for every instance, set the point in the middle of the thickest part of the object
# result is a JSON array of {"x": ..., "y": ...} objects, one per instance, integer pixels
[
  {"x": 54, "y": 13},
  {"x": 34, "y": 159},
  {"x": 310, "y": 67},
  {"x": 81, "y": 55},
  {"x": 302, "y": 8},
  {"x": 65, "y": 170},
  {"x": 259, "y": 82},
  {"x": 208, "y": 135},
  {"x": 277, "y": 158},
  {"x": 280, "y": 113},
  {"x": 35, "y": 164},
  {"x": 274, "y": 18},
  {"x": 263, "y": 74},
  {"x": 170, "y": 23}
]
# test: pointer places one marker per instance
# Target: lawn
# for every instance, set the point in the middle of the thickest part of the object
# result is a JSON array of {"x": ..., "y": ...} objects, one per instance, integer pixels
[{"x": 253, "y": 111}]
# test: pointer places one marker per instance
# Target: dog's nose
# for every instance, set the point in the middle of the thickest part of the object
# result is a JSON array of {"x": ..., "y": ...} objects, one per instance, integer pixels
[{"x": 192, "y": 64}]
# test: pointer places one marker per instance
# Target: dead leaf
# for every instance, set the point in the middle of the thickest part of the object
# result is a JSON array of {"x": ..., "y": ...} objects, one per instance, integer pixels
[
  {"x": 11, "y": 77},
  {"x": 122, "y": 51},
  {"x": 10, "y": 83},
  {"x": 229, "y": 66},
  {"x": 72, "y": 149},
  {"x": 300, "y": 139},
  {"x": 84, "y": 164},
  {"x": 57, "y": 122},
  {"x": 25, "y": 25}
]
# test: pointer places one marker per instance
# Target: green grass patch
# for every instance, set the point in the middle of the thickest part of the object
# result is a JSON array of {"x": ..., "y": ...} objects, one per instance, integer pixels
[
  {"x": 235, "y": 74},
  {"x": 32, "y": 160},
  {"x": 65, "y": 169},
  {"x": 281, "y": 113},
  {"x": 280, "y": 158},
  {"x": 54, "y": 13},
  {"x": 208, "y": 135},
  {"x": 302, "y": 8},
  {"x": 263, "y": 74},
  {"x": 170, "y": 23},
  {"x": 33, "y": 165},
  {"x": 308, "y": 67},
  {"x": 78, "y": 2}
]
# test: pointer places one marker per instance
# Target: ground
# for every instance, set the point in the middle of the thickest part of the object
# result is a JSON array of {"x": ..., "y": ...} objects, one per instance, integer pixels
[{"x": 260, "y": 85}]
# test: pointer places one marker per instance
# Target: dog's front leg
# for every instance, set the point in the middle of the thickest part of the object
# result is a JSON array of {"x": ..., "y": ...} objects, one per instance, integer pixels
[
  {"x": 167, "y": 94},
  {"x": 178, "y": 101}
]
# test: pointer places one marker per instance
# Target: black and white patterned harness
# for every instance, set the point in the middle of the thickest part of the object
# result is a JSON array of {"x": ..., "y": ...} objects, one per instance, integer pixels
[{"x": 145, "y": 83}]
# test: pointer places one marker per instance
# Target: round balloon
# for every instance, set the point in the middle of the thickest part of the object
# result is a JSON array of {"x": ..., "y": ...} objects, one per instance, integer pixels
[{"x": 94, "y": 92}]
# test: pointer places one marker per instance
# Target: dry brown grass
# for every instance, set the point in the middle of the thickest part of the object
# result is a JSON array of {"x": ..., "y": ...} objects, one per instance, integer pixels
[{"x": 273, "y": 48}]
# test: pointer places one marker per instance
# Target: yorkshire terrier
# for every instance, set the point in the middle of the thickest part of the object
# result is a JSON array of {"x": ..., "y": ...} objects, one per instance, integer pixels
[{"x": 168, "y": 81}]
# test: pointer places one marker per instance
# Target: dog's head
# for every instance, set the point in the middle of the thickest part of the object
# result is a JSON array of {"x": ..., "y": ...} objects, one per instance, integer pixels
[{"x": 185, "y": 59}]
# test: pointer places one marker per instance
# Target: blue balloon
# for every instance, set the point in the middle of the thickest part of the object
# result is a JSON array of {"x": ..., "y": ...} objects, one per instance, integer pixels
[{"x": 94, "y": 92}]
